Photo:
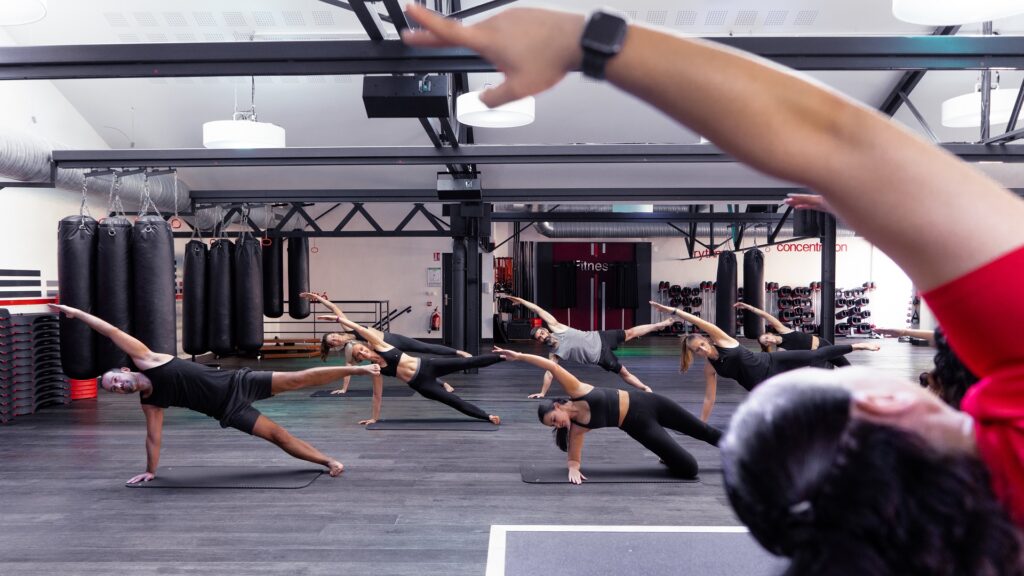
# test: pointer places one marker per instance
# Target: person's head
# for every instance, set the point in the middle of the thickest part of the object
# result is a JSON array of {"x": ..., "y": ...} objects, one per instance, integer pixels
[
  {"x": 356, "y": 352},
  {"x": 333, "y": 340},
  {"x": 826, "y": 468},
  {"x": 950, "y": 379},
  {"x": 553, "y": 413},
  {"x": 694, "y": 345},
  {"x": 540, "y": 334},
  {"x": 769, "y": 341},
  {"x": 120, "y": 381}
]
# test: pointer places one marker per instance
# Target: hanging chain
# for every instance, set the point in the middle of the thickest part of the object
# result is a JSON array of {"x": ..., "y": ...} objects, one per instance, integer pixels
[{"x": 83, "y": 210}]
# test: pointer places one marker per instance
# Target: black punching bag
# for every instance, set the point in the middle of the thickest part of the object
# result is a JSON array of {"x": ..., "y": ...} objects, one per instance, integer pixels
[
  {"x": 194, "y": 339},
  {"x": 273, "y": 278},
  {"x": 114, "y": 287},
  {"x": 248, "y": 294},
  {"x": 753, "y": 291},
  {"x": 153, "y": 313},
  {"x": 219, "y": 294},
  {"x": 76, "y": 275},
  {"x": 725, "y": 293},
  {"x": 298, "y": 277}
]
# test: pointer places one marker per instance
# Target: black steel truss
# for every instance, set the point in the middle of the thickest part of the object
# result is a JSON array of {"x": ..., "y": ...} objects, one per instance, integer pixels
[
  {"x": 393, "y": 57},
  {"x": 663, "y": 217},
  {"x": 909, "y": 81}
]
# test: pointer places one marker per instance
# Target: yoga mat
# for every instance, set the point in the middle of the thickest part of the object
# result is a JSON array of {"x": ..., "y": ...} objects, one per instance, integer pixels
[
  {"x": 463, "y": 424},
  {"x": 364, "y": 393},
  {"x": 601, "y": 474},
  {"x": 238, "y": 477}
]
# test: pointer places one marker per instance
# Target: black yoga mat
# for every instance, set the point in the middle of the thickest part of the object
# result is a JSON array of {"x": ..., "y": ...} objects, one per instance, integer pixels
[
  {"x": 463, "y": 424},
  {"x": 601, "y": 474},
  {"x": 239, "y": 477},
  {"x": 364, "y": 393},
  {"x": 648, "y": 553}
]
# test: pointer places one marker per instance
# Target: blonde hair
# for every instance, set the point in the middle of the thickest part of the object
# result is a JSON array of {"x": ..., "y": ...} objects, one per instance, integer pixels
[
  {"x": 348, "y": 351},
  {"x": 685, "y": 354}
]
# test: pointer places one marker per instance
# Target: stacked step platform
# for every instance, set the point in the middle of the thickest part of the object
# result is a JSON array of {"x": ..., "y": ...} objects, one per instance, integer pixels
[{"x": 31, "y": 376}]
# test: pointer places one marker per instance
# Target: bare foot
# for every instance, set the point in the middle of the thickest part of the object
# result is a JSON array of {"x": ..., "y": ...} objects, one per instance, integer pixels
[
  {"x": 496, "y": 420},
  {"x": 464, "y": 354},
  {"x": 336, "y": 468},
  {"x": 448, "y": 387}
]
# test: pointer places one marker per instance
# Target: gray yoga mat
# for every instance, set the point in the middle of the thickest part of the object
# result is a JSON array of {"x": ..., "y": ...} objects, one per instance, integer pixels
[
  {"x": 601, "y": 474},
  {"x": 647, "y": 553},
  {"x": 403, "y": 392},
  {"x": 238, "y": 477},
  {"x": 463, "y": 424}
]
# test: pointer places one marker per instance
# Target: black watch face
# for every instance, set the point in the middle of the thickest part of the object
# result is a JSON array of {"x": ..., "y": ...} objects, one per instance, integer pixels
[{"x": 604, "y": 33}]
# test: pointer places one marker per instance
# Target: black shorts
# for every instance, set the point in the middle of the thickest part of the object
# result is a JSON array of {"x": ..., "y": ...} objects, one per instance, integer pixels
[
  {"x": 610, "y": 340},
  {"x": 246, "y": 387}
]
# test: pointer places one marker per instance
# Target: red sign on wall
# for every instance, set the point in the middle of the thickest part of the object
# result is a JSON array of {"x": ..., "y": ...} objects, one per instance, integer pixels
[{"x": 437, "y": 256}]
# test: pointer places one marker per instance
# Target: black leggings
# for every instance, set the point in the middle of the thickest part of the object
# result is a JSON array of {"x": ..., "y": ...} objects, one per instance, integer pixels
[
  {"x": 838, "y": 361},
  {"x": 426, "y": 382},
  {"x": 793, "y": 359},
  {"x": 650, "y": 414},
  {"x": 407, "y": 345}
]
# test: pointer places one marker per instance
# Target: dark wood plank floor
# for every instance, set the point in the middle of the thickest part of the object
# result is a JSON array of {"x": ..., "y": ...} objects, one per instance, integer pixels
[{"x": 408, "y": 502}]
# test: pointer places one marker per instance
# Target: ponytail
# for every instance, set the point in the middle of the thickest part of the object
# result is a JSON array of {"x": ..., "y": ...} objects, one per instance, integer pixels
[{"x": 561, "y": 434}]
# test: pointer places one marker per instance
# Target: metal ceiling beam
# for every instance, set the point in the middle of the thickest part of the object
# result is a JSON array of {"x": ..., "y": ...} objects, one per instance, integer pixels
[
  {"x": 727, "y": 217},
  {"x": 346, "y": 6},
  {"x": 429, "y": 156},
  {"x": 393, "y": 57},
  {"x": 460, "y": 14},
  {"x": 369, "y": 19},
  {"x": 504, "y": 195},
  {"x": 909, "y": 81}
]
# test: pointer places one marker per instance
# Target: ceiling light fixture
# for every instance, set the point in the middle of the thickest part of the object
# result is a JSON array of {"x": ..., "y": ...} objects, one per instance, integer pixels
[
  {"x": 473, "y": 112},
  {"x": 18, "y": 12},
  {"x": 965, "y": 111},
  {"x": 951, "y": 12},
  {"x": 243, "y": 130}
]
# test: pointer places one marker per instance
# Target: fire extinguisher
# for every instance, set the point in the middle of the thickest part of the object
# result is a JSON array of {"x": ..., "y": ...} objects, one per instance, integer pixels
[{"x": 435, "y": 320}]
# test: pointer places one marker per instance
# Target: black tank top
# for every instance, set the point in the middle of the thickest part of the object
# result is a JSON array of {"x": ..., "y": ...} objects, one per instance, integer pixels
[
  {"x": 742, "y": 365},
  {"x": 797, "y": 341},
  {"x": 189, "y": 385},
  {"x": 392, "y": 357},
  {"x": 604, "y": 408}
]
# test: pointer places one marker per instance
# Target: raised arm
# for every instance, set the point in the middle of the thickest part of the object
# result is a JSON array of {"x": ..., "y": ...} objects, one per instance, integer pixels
[
  {"x": 339, "y": 316},
  {"x": 772, "y": 320},
  {"x": 572, "y": 386},
  {"x": 718, "y": 335},
  {"x": 710, "y": 390},
  {"x": 555, "y": 325},
  {"x": 893, "y": 187},
  {"x": 140, "y": 354}
]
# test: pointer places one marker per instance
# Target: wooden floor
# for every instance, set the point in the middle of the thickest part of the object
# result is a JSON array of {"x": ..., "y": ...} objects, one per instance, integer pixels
[{"x": 416, "y": 503}]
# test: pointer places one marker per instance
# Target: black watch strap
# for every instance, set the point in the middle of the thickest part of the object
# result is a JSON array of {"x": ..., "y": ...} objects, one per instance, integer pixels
[{"x": 602, "y": 39}]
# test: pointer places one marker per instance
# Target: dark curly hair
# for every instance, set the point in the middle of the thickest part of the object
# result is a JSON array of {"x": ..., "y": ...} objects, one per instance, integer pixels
[
  {"x": 561, "y": 434},
  {"x": 950, "y": 376},
  {"x": 840, "y": 495}
]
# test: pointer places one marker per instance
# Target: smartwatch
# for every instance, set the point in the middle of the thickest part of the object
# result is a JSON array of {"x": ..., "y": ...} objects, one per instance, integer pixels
[{"x": 602, "y": 39}]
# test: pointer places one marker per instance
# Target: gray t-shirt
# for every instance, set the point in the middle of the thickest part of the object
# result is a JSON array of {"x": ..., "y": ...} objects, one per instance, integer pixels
[{"x": 578, "y": 346}]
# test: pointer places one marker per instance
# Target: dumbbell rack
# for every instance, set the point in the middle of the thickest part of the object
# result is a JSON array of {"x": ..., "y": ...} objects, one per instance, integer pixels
[
  {"x": 851, "y": 308},
  {"x": 31, "y": 376},
  {"x": 796, "y": 306},
  {"x": 697, "y": 300}
]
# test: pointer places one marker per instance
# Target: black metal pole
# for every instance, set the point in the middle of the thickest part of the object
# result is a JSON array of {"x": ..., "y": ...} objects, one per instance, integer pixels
[
  {"x": 828, "y": 277},
  {"x": 473, "y": 304},
  {"x": 459, "y": 292}
]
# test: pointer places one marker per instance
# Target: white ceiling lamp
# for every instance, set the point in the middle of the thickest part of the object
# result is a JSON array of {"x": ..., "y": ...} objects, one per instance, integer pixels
[
  {"x": 965, "y": 111},
  {"x": 951, "y": 12},
  {"x": 243, "y": 130},
  {"x": 18, "y": 12},
  {"x": 473, "y": 112}
]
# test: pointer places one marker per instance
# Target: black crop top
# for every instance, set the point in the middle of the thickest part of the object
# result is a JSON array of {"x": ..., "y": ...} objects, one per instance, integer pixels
[
  {"x": 392, "y": 357},
  {"x": 742, "y": 365},
  {"x": 796, "y": 341},
  {"x": 604, "y": 407}
]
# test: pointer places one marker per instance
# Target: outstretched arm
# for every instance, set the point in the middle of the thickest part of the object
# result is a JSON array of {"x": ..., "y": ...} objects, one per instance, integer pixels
[
  {"x": 575, "y": 456},
  {"x": 717, "y": 334},
  {"x": 928, "y": 335},
  {"x": 154, "y": 438},
  {"x": 888, "y": 184},
  {"x": 772, "y": 320},
  {"x": 378, "y": 393},
  {"x": 710, "y": 390},
  {"x": 547, "y": 380},
  {"x": 572, "y": 386},
  {"x": 555, "y": 325},
  {"x": 339, "y": 316},
  {"x": 140, "y": 354}
]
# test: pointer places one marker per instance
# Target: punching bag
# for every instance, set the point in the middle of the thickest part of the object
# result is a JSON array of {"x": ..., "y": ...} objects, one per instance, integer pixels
[
  {"x": 725, "y": 293},
  {"x": 753, "y": 291},
  {"x": 248, "y": 299},
  {"x": 219, "y": 294},
  {"x": 76, "y": 276},
  {"x": 298, "y": 277},
  {"x": 114, "y": 287},
  {"x": 153, "y": 313},
  {"x": 273, "y": 278},
  {"x": 194, "y": 339}
]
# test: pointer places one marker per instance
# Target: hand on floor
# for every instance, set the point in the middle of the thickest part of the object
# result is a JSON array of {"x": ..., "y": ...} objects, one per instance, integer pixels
[
  {"x": 335, "y": 468},
  {"x": 339, "y": 391},
  {"x": 146, "y": 477}
]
